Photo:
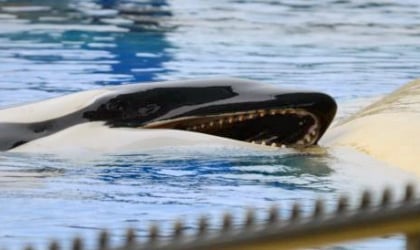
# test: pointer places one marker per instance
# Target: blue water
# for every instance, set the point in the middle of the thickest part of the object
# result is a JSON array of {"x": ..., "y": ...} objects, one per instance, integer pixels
[{"x": 348, "y": 48}]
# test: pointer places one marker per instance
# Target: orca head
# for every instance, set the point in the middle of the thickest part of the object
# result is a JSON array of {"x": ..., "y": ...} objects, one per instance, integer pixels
[{"x": 232, "y": 108}]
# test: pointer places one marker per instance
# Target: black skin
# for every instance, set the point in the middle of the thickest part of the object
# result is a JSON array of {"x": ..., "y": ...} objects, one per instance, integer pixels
[{"x": 137, "y": 105}]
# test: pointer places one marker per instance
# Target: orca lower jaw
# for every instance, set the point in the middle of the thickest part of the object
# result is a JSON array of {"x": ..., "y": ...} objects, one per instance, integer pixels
[{"x": 279, "y": 127}]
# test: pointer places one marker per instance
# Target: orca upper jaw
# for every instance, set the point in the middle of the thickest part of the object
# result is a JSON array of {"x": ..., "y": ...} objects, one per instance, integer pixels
[{"x": 278, "y": 123}]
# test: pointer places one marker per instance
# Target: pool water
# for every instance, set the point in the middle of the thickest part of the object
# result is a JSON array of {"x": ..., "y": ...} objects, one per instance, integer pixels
[{"x": 353, "y": 50}]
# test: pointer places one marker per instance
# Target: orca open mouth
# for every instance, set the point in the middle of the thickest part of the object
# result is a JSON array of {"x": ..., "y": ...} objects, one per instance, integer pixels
[
  {"x": 279, "y": 127},
  {"x": 229, "y": 108}
]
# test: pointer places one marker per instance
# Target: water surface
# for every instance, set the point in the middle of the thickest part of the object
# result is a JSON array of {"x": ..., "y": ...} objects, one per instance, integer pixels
[{"x": 349, "y": 49}]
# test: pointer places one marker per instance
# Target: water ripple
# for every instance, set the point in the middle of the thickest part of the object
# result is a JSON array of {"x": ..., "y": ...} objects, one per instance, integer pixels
[{"x": 351, "y": 49}]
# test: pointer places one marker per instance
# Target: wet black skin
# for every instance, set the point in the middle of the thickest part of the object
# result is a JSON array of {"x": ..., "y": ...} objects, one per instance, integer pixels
[{"x": 142, "y": 104}]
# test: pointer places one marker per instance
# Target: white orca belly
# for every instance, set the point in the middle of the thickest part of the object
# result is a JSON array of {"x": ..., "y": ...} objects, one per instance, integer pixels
[
  {"x": 392, "y": 138},
  {"x": 388, "y": 130}
]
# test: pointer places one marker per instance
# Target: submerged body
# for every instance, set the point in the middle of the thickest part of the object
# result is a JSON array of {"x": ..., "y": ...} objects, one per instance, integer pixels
[
  {"x": 141, "y": 116},
  {"x": 388, "y": 130}
]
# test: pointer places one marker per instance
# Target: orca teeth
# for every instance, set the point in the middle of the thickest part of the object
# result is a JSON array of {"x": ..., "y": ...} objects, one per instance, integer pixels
[{"x": 215, "y": 122}]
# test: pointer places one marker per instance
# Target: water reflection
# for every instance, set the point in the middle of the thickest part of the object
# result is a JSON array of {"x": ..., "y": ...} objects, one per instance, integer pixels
[
  {"x": 273, "y": 170},
  {"x": 51, "y": 48},
  {"x": 61, "y": 197}
]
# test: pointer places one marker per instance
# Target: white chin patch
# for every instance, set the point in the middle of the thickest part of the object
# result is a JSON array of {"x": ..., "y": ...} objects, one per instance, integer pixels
[{"x": 97, "y": 138}]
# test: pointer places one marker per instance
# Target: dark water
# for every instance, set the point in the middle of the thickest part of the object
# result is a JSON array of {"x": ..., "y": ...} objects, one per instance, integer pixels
[{"x": 350, "y": 49}]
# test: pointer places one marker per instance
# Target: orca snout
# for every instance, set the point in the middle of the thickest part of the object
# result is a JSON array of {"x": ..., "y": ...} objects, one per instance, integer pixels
[{"x": 324, "y": 107}]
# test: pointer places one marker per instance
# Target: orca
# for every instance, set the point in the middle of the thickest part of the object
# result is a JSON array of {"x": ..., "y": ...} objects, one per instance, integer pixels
[
  {"x": 387, "y": 130},
  {"x": 169, "y": 113}
]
